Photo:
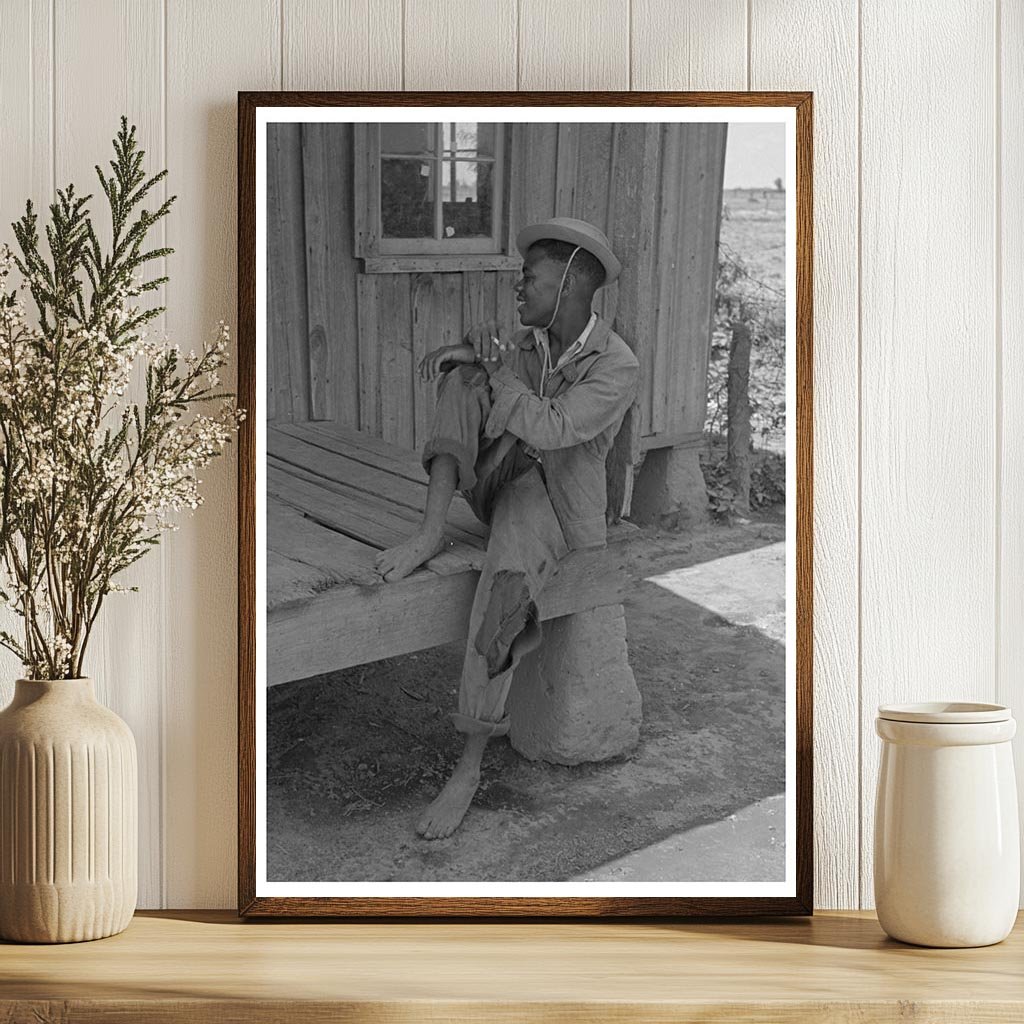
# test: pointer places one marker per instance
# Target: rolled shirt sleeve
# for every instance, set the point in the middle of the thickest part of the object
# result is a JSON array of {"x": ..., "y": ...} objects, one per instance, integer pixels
[{"x": 591, "y": 405}]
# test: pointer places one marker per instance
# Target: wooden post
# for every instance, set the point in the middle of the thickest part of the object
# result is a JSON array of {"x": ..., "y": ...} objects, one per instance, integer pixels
[{"x": 738, "y": 458}]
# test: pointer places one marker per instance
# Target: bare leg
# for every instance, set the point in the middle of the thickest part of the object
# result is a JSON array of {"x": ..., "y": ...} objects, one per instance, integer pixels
[
  {"x": 428, "y": 540},
  {"x": 445, "y": 814}
]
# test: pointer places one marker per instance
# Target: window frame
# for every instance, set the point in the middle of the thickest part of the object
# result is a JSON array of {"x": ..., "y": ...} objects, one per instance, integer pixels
[{"x": 398, "y": 255}]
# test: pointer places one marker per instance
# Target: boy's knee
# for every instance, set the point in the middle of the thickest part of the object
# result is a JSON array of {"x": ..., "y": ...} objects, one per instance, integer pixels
[
  {"x": 509, "y": 612},
  {"x": 465, "y": 375}
]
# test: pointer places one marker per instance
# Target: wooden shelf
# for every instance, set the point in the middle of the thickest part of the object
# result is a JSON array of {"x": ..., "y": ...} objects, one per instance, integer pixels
[{"x": 208, "y": 966}]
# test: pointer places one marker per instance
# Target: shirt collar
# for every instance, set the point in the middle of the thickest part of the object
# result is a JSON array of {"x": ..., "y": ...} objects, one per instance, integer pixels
[{"x": 541, "y": 336}]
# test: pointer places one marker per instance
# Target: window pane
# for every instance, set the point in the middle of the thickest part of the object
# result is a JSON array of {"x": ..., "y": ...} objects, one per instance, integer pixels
[
  {"x": 418, "y": 139},
  {"x": 468, "y": 140},
  {"x": 407, "y": 198},
  {"x": 466, "y": 191}
]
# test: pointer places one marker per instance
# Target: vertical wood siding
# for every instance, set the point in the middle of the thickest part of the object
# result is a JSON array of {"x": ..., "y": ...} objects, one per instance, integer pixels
[{"x": 919, "y": 227}]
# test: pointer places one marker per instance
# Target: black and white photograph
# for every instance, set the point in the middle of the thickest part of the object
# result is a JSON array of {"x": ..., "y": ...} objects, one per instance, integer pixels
[{"x": 525, "y": 502}]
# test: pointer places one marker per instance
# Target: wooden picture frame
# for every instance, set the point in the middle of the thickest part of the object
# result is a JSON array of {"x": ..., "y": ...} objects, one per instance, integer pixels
[{"x": 252, "y": 902}]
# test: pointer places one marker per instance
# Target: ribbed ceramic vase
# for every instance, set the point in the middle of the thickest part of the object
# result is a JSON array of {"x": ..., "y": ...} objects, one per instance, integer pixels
[
  {"x": 947, "y": 846},
  {"x": 68, "y": 814}
]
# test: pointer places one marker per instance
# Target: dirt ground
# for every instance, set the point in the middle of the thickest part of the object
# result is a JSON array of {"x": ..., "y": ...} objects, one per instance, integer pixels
[{"x": 354, "y": 756}]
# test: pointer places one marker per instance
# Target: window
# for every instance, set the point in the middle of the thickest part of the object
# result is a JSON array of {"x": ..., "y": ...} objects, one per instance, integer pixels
[{"x": 433, "y": 196}]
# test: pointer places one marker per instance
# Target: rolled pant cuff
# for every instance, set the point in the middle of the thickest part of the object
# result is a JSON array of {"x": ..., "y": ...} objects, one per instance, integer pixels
[
  {"x": 462, "y": 454},
  {"x": 463, "y": 723}
]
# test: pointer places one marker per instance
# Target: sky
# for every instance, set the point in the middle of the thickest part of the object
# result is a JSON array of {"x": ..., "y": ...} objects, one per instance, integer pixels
[{"x": 755, "y": 155}]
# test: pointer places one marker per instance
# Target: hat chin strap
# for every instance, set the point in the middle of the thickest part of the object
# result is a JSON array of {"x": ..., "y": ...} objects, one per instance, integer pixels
[{"x": 561, "y": 285}]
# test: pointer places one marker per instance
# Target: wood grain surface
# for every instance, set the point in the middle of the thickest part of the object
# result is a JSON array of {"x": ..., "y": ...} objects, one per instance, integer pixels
[{"x": 199, "y": 967}]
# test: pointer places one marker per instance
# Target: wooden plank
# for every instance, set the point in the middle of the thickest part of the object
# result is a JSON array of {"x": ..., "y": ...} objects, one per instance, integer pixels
[
  {"x": 290, "y": 582},
  {"x": 304, "y": 640},
  {"x": 359, "y": 451},
  {"x": 354, "y": 512},
  {"x": 343, "y": 270},
  {"x": 505, "y": 299},
  {"x": 703, "y": 161},
  {"x": 290, "y": 533},
  {"x": 634, "y": 181},
  {"x": 574, "y": 44},
  {"x": 452, "y": 327},
  {"x": 448, "y": 264},
  {"x": 567, "y": 169},
  {"x": 1009, "y": 682},
  {"x": 426, "y": 337},
  {"x": 488, "y": 298},
  {"x": 469, "y": 45},
  {"x": 279, "y": 371},
  {"x": 701, "y": 44},
  {"x": 395, "y": 340},
  {"x": 360, "y": 447},
  {"x": 928, "y": 377},
  {"x": 211, "y": 51},
  {"x": 371, "y": 480},
  {"x": 420, "y": 612},
  {"x": 322, "y": 341},
  {"x": 830, "y": 70},
  {"x": 342, "y": 44},
  {"x": 534, "y": 173},
  {"x": 473, "y": 312},
  {"x": 667, "y": 332},
  {"x": 369, "y": 354},
  {"x": 120, "y": 653},
  {"x": 287, "y": 270},
  {"x": 593, "y": 176}
]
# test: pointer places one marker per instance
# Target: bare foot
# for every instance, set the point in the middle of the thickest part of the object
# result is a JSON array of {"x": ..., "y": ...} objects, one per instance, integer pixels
[
  {"x": 399, "y": 561},
  {"x": 445, "y": 814}
]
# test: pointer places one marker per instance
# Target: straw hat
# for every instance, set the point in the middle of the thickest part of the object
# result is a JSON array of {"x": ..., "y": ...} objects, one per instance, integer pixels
[{"x": 576, "y": 232}]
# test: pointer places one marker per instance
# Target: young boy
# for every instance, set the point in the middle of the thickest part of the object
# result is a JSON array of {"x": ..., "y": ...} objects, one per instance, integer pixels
[{"x": 522, "y": 428}]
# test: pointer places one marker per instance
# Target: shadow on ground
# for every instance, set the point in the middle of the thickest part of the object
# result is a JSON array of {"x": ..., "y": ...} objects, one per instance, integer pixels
[{"x": 354, "y": 756}]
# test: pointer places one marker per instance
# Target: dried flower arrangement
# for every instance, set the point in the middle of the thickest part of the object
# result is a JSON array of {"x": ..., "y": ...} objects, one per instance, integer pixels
[{"x": 88, "y": 479}]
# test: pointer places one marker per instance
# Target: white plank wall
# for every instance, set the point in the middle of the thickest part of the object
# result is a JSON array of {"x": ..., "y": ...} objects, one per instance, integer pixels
[
  {"x": 832, "y": 75},
  {"x": 919, "y": 301},
  {"x": 1009, "y": 258},
  {"x": 928, "y": 413}
]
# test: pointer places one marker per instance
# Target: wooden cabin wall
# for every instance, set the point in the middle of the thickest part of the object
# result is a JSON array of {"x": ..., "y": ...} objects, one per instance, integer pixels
[
  {"x": 402, "y": 317},
  {"x": 312, "y": 359},
  {"x": 659, "y": 201},
  {"x": 344, "y": 345}
]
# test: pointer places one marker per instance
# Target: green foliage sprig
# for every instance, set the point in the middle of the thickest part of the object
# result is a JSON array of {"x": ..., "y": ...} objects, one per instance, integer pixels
[{"x": 88, "y": 478}]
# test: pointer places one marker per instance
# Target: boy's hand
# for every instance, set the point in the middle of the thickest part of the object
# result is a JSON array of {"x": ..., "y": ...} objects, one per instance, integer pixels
[
  {"x": 436, "y": 362},
  {"x": 489, "y": 342}
]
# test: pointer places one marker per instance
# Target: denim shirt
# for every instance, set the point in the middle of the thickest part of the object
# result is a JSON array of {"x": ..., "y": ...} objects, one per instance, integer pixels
[{"x": 573, "y": 424}]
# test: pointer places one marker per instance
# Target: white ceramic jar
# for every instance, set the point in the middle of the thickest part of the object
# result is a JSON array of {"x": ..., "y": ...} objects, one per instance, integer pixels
[{"x": 947, "y": 846}]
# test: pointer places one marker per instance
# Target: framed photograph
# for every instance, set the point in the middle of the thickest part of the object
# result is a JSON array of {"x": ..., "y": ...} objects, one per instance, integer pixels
[{"x": 525, "y": 490}]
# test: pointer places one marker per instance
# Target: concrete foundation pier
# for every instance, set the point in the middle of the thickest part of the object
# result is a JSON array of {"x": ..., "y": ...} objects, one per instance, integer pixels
[
  {"x": 669, "y": 490},
  {"x": 575, "y": 698}
]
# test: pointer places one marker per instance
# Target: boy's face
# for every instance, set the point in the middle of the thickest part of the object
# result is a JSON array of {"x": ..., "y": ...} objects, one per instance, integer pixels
[{"x": 537, "y": 288}]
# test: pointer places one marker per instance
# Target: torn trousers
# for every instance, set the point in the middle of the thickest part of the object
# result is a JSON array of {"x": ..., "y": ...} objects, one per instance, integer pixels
[{"x": 505, "y": 488}]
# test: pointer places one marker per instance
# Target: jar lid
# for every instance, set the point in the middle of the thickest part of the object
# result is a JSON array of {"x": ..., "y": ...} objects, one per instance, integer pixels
[{"x": 945, "y": 712}]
